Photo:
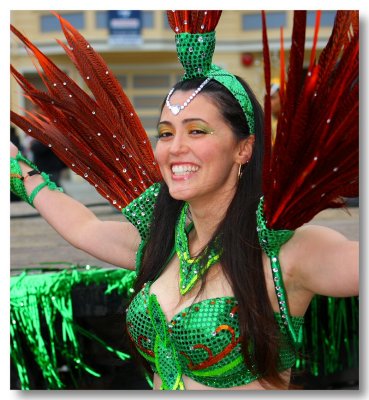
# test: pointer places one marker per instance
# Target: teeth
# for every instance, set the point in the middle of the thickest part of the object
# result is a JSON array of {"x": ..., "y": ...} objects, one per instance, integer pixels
[{"x": 184, "y": 169}]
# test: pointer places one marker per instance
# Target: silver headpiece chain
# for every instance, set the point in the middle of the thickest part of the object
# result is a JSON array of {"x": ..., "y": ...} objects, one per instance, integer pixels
[{"x": 176, "y": 108}]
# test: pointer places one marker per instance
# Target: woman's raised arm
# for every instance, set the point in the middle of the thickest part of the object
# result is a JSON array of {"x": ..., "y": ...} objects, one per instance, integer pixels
[{"x": 110, "y": 241}]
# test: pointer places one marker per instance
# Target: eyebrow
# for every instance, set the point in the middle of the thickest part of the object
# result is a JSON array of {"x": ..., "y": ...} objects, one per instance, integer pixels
[{"x": 185, "y": 121}]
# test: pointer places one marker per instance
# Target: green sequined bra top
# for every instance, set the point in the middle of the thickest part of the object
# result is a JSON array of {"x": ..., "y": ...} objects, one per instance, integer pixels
[{"x": 202, "y": 341}]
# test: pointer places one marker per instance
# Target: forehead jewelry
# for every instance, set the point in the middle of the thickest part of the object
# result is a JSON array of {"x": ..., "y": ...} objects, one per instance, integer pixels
[{"x": 176, "y": 108}]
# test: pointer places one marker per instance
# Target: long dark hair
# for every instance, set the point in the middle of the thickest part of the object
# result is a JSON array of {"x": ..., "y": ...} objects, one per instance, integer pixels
[{"x": 236, "y": 234}]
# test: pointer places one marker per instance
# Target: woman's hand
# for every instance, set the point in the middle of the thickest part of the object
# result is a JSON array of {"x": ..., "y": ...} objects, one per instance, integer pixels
[{"x": 13, "y": 150}]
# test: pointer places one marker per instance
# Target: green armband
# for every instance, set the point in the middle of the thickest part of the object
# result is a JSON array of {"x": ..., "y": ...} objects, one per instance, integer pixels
[{"x": 17, "y": 179}]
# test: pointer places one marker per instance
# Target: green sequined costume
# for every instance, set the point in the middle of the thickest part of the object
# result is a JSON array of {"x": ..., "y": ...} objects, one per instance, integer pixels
[{"x": 201, "y": 341}]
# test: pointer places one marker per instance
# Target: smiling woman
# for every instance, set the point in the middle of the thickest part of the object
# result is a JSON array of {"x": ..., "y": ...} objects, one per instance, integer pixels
[
  {"x": 206, "y": 145},
  {"x": 226, "y": 268}
]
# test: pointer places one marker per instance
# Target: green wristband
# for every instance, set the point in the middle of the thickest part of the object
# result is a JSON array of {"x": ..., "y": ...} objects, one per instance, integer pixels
[
  {"x": 17, "y": 180},
  {"x": 47, "y": 182},
  {"x": 20, "y": 157}
]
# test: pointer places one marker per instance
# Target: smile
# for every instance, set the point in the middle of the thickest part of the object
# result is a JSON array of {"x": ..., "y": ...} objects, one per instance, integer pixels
[{"x": 184, "y": 169}]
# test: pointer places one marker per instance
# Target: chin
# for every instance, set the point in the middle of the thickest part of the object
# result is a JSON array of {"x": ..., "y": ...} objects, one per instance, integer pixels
[{"x": 180, "y": 194}]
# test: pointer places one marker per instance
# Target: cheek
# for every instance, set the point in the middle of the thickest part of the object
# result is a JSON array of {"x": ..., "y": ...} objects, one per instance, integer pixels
[
  {"x": 220, "y": 152},
  {"x": 219, "y": 157},
  {"x": 161, "y": 157},
  {"x": 159, "y": 153}
]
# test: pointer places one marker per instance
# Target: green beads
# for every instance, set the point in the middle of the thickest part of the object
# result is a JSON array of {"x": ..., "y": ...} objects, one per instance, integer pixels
[
  {"x": 139, "y": 213},
  {"x": 271, "y": 242},
  {"x": 17, "y": 182},
  {"x": 190, "y": 268}
]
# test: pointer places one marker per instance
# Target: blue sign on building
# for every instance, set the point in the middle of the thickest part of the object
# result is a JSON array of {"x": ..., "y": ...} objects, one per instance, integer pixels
[{"x": 124, "y": 27}]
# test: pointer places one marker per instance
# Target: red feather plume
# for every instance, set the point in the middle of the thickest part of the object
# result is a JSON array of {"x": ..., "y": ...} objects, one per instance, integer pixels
[
  {"x": 99, "y": 137},
  {"x": 314, "y": 162},
  {"x": 193, "y": 21}
]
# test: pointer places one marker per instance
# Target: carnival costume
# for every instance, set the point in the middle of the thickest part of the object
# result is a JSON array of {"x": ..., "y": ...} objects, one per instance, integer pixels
[{"x": 313, "y": 163}]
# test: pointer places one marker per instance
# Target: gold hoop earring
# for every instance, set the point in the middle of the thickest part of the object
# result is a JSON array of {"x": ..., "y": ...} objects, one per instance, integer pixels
[{"x": 239, "y": 171}]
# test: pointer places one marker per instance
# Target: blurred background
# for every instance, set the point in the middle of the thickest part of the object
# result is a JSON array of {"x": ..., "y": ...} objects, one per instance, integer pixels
[{"x": 139, "y": 48}]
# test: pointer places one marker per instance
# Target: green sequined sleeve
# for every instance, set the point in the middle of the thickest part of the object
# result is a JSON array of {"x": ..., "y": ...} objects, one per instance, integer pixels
[{"x": 139, "y": 213}]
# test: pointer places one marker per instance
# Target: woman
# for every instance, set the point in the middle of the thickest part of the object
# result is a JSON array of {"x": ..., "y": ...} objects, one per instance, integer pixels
[
  {"x": 199, "y": 152},
  {"x": 209, "y": 310}
]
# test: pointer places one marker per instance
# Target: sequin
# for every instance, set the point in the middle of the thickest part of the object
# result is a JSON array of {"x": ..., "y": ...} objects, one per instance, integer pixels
[
  {"x": 195, "y": 53},
  {"x": 191, "y": 342},
  {"x": 204, "y": 344}
]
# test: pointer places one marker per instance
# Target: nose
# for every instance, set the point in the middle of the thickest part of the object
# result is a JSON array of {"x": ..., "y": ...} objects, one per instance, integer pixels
[{"x": 178, "y": 144}]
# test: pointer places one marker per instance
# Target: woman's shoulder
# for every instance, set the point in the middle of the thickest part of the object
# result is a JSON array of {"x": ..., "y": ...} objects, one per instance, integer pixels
[{"x": 139, "y": 212}]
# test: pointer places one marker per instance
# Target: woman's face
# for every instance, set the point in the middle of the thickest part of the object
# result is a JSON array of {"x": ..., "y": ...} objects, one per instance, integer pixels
[{"x": 197, "y": 152}]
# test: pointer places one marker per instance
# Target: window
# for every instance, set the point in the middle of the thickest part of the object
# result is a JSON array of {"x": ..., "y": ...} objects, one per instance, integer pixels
[
  {"x": 151, "y": 81},
  {"x": 101, "y": 19},
  {"x": 147, "y": 19},
  {"x": 122, "y": 80},
  {"x": 165, "y": 19},
  {"x": 273, "y": 19},
  {"x": 153, "y": 101},
  {"x": 326, "y": 19},
  {"x": 49, "y": 23},
  {"x": 149, "y": 122}
]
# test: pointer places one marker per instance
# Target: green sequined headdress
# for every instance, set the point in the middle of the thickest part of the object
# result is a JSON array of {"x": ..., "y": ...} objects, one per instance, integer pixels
[{"x": 195, "y": 41}]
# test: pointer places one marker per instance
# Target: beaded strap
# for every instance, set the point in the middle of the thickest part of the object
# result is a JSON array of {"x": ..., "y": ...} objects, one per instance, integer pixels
[
  {"x": 139, "y": 213},
  {"x": 17, "y": 180},
  {"x": 190, "y": 268},
  {"x": 20, "y": 157},
  {"x": 271, "y": 242},
  {"x": 47, "y": 182}
]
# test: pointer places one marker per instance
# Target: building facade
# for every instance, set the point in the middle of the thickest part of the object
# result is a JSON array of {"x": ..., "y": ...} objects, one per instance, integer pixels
[{"x": 148, "y": 68}]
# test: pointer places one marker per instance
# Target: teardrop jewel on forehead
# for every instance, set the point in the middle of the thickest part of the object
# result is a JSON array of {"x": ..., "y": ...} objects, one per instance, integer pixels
[{"x": 176, "y": 108}]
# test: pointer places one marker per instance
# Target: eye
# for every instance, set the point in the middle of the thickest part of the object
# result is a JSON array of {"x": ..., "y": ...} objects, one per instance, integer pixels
[
  {"x": 197, "y": 132},
  {"x": 164, "y": 135},
  {"x": 198, "y": 129},
  {"x": 200, "y": 132}
]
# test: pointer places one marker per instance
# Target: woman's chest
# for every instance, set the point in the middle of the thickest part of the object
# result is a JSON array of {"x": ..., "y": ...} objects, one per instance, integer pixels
[
  {"x": 167, "y": 288},
  {"x": 198, "y": 336}
]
